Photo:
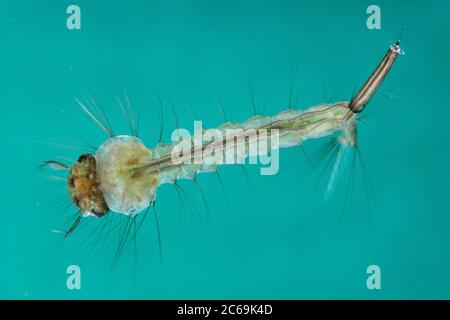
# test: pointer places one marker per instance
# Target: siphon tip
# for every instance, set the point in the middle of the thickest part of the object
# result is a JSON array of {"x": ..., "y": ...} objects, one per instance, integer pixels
[{"x": 397, "y": 49}]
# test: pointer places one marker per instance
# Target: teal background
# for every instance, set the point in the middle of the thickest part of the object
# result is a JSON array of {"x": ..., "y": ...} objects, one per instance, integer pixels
[{"x": 285, "y": 244}]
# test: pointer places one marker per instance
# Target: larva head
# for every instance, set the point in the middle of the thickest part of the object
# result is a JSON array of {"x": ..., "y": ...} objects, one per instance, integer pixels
[{"x": 83, "y": 187}]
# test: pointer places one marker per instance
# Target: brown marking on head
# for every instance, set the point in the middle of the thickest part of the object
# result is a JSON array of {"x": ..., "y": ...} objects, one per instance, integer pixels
[{"x": 83, "y": 187}]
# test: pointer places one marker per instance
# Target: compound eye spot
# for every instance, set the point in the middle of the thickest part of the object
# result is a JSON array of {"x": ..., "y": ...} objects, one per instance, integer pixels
[
  {"x": 84, "y": 157},
  {"x": 70, "y": 182},
  {"x": 76, "y": 202}
]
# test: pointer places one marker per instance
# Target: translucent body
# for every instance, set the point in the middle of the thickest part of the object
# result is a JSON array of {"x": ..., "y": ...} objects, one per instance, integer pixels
[
  {"x": 129, "y": 173},
  {"x": 124, "y": 175}
]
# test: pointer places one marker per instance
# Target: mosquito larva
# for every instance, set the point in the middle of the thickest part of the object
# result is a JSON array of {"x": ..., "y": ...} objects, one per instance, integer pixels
[{"x": 123, "y": 175}]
